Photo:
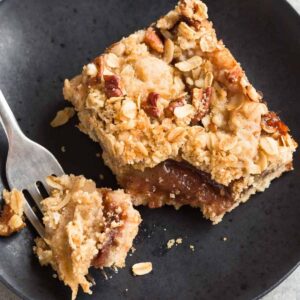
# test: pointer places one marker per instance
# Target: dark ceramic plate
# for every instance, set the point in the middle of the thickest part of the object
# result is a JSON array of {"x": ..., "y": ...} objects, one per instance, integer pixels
[{"x": 42, "y": 42}]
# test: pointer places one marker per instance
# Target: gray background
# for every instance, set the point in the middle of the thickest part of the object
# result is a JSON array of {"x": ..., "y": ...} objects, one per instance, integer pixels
[{"x": 288, "y": 290}]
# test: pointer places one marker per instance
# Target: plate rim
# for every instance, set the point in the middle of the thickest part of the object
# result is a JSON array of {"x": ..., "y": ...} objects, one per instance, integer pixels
[{"x": 18, "y": 293}]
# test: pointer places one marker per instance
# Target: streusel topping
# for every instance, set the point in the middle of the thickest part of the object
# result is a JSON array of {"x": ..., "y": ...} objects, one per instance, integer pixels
[{"x": 174, "y": 91}]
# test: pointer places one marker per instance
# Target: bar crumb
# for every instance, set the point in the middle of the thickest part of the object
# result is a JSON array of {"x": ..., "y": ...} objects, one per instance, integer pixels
[
  {"x": 178, "y": 241},
  {"x": 142, "y": 268},
  {"x": 170, "y": 243}
]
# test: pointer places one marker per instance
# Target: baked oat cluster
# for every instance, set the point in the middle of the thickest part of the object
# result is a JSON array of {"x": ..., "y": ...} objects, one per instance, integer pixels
[
  {"x": 174, "y": 92},
  {"x": 11, "y": 218},
  {"x": 85, "y": 227}
]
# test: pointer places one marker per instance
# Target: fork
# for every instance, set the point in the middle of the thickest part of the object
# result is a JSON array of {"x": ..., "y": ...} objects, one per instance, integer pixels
[{"x": 27, "y": 164}]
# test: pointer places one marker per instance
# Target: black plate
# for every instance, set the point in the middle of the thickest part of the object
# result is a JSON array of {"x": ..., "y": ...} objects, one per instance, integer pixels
[{"x": 42, "y": 42}]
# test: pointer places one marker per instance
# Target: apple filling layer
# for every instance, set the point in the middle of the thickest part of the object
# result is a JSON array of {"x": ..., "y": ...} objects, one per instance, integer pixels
[{"x": 177, "y": 183}]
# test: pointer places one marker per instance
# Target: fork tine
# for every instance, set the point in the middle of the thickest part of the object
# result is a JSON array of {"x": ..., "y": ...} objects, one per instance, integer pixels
[
  {"x": 34, "y": 219},
  {"x": 36, "y": 196}
]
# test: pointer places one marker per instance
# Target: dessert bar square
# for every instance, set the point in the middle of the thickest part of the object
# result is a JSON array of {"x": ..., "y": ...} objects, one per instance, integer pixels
[{"x": 177, "y": 119}]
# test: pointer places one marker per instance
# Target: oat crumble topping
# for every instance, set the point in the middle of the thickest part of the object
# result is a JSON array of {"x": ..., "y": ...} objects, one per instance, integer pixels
[{"x": 174, "y": 91}]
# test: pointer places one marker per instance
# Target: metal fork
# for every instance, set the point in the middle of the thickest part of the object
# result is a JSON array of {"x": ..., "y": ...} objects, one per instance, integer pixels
[{"x": 27, "y": 163}]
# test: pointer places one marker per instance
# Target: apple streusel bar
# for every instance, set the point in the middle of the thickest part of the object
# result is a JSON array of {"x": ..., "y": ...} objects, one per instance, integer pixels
[{"x": 177, "y": 119}]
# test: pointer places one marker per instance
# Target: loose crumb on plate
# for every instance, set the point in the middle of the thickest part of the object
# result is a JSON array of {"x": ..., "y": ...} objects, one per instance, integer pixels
[
  {"x": 192, "y": 247},
  {"x": 179, "y": 241},
  {"x": 142, "y": 268},
  {"x": 63, "y": 116},
  {"x": 170, "y": 243},
  {"x": 173, "y": 242}
]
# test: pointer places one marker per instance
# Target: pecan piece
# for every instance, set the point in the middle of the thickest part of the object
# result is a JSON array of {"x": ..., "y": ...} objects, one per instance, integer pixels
[
  {"x": 201, "y": 101},
  {"x": 153, "y": 40},
  {"x": 169, "y": 110},
  {"x": 112, "y": 86},
  {"x": 99, "y": 63},
  {"x": 271, "y": 123},
  {"x": 150, "y": 105}
]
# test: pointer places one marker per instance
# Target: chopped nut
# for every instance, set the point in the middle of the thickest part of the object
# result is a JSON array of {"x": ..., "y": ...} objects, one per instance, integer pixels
[
  {"x": 142, "y": 268},
  {"x": 63, "y": 116},
  {"x": 99, "y": 62},
  {"x": 169, "y": 110},
  {"x": 271, "y": 123},
  {"x": 150, "y": 105},
  {"x": 189, "y": 64},
  {"x": 169, "y": 51},
  {"x": 112, "y": 86},
  {"x": 129, "y": 109},
  {"x": 91, "y": 70},
  {"x": 153, "y": 40},
  {"x": 201, "y": 101}
]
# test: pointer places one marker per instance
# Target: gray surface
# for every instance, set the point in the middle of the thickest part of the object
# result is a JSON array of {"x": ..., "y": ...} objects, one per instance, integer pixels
[{"x": 289, "y": 289}]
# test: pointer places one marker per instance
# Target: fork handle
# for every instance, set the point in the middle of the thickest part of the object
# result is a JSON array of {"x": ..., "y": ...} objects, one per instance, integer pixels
[{"x": 8, "y": 120}]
